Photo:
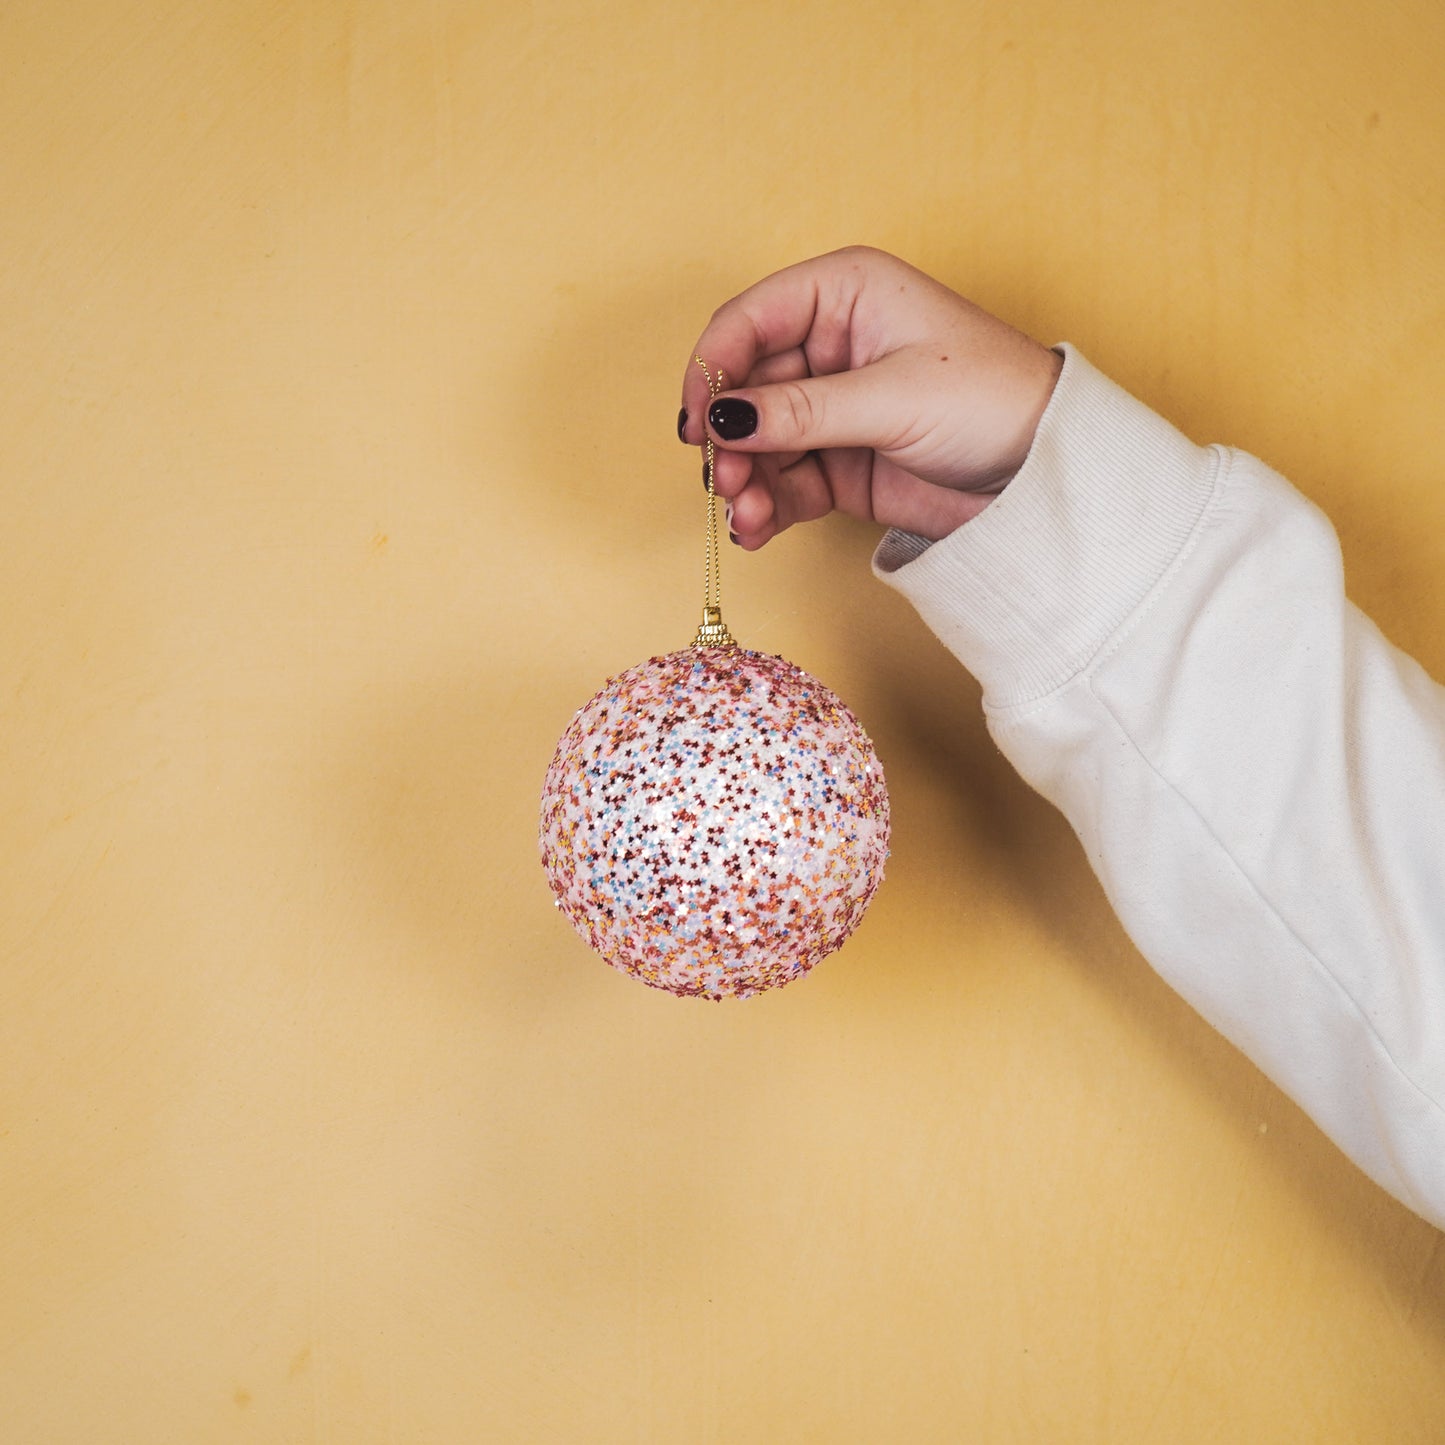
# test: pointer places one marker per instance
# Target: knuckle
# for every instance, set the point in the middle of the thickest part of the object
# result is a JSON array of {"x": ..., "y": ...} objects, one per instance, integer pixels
[
  {"x": 863, "y": 257},
  {"x": 803, "y": 412}
]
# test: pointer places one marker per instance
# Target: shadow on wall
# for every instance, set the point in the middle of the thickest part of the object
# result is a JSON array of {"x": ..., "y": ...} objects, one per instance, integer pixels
[
  {"x": 1021, "y": 845},
  {"x": 431, "y": 803}
]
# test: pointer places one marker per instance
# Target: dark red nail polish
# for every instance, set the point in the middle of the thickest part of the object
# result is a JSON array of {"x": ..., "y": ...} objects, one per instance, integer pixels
[
  {"x": 732, "y": 418},
  {"x": 681, "y": 423},
  {"x": 704, "y": 476},
  {"x": 733, "y": 538}
]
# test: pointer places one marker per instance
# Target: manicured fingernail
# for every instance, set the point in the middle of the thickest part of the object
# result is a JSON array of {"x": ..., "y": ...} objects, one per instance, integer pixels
[
  {"x": 704, "y": 477},
  {"x": 732, "y": 418},
  {"x": 681, "y": 423},
  {"x": 733, "y": 538}
]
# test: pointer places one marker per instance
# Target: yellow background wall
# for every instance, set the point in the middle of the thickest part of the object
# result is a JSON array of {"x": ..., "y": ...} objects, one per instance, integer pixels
[{"x": 340, "y": 346}]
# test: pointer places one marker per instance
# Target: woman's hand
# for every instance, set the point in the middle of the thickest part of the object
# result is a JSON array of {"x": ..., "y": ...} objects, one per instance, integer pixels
[{"x": 867, "y": 388}]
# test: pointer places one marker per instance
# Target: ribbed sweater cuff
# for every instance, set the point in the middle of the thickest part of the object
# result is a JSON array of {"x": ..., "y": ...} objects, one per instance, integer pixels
[{"x": 1027, "y": 593}]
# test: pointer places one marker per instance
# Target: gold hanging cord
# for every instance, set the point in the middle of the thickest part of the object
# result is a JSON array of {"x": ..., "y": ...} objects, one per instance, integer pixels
[{"x": 713, "y": 632}]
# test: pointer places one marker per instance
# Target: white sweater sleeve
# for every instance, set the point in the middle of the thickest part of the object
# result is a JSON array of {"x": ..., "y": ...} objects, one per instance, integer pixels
[{"x": 1257, "y": 776}]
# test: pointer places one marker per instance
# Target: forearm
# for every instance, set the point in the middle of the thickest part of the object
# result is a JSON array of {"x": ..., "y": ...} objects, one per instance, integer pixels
[{"x": 1256, "y": 775}]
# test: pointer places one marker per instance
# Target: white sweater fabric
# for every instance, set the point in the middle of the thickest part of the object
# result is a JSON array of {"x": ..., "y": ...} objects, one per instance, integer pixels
[{"x": 1256, "y": 774}]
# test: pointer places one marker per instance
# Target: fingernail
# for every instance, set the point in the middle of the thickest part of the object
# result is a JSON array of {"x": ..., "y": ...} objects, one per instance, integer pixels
[
  {"x": 733, "y": 538},
  {"x": 705, "y": 486},
  {"x": 681, "y": 423},
  {"x": 732, "y": 418}
]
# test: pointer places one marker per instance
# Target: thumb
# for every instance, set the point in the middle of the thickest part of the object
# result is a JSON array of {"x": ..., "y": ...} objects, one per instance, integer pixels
[{"x": 869, "y": 407}]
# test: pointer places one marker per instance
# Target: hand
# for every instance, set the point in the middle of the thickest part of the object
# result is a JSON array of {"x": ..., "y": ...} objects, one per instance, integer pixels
[{"x": 868, "y": 389}]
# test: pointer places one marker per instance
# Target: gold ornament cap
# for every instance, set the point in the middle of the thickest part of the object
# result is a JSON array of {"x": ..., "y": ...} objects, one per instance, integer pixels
[{"x": 713, "y": 632}]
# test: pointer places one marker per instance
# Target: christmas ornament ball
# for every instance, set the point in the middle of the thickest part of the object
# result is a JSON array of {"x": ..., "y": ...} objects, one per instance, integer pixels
[{"x": 714, "y": 822}]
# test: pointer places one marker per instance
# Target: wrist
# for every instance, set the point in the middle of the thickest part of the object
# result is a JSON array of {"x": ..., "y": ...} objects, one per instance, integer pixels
[{"x": 1032, "y": 390}]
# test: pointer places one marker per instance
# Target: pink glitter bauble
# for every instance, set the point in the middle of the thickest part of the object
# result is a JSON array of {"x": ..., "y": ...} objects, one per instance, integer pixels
[{"x": 714, "y": 822}]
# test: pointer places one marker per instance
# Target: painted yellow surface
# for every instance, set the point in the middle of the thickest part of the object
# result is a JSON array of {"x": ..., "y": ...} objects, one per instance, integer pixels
[{"x": 340, "y": 346}]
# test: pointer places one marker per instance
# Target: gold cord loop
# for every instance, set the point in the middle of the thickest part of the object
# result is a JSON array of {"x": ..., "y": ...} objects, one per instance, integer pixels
[{"x": 713, "y": 631}]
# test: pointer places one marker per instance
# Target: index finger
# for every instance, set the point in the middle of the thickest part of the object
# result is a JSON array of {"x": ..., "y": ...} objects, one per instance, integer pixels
[{"x": 809, "y": 306}]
